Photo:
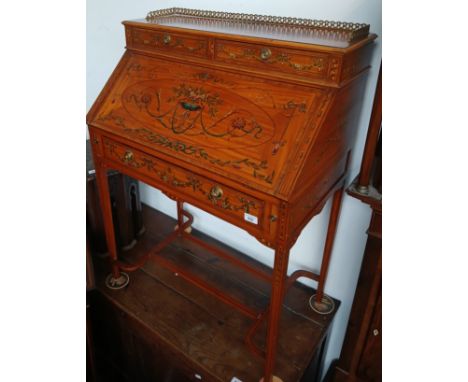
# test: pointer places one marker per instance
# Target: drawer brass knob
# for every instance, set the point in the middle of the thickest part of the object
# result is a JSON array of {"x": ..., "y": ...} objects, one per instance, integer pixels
[
  {"x": 216, "y": 193},
  {"x": 166, "y": 39},
  {"x": 265, "y": 54},
  {"x": 128, "y": 156},
  {"x": 375, "y": 332}
]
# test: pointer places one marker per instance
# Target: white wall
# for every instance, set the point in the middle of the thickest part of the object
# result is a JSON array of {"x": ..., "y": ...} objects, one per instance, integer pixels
[{"x": 105, "y": 45}]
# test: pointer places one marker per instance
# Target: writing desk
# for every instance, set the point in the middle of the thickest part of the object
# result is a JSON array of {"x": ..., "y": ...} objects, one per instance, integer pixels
[{"x": 247, "y": 117}]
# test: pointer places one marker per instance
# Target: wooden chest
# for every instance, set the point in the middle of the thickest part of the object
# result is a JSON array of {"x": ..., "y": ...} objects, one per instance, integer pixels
[{"x": 247, "y": 117}]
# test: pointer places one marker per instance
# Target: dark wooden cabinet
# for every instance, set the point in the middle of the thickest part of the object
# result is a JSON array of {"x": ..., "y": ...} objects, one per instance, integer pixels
[
  {"x": 361, "y": 355},
  {"x": 370, "y": 367}
]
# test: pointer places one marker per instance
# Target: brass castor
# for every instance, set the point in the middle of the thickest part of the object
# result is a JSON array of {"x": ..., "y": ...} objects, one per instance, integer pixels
[
  {"x": 117, "y": 283},
  {"x": 326, "y": 306},
  {"x": 187, "y": 230}
]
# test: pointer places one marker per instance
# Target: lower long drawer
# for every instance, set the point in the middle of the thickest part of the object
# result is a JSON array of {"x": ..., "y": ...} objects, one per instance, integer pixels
[{"x": 232, "y": 205}]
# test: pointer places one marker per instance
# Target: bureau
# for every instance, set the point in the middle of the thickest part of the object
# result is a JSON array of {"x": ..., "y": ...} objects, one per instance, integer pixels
[{"x": 247, "y": 117}]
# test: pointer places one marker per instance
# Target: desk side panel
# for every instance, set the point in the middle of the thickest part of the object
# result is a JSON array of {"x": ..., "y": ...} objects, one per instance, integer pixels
[{"x": 324, "y": 169}]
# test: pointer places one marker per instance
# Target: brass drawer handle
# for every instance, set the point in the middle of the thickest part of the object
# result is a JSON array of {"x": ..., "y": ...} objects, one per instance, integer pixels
[
  {"x": 166, "y": 39},
  {"x": 128, "y": 157},
  {"x": 265, "y": 54},
  {"x": 216, "y": 193}
]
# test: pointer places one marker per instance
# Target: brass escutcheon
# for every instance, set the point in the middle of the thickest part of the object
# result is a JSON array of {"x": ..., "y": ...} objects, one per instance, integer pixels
[
  {"x": 216, "y": 192},
  {"x": 265, "y": 53},
  {"x": 128, "y": 156},
  {"x": 166, "y": 39}
]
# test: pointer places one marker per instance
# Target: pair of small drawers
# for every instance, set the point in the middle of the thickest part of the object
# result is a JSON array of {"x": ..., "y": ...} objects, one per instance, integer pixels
[
  {"x": 177, "y": 182},
  {"x": 312, "y": 65}
]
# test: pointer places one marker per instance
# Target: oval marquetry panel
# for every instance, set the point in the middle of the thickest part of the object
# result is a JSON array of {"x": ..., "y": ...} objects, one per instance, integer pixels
[{"x": 195, "y": 110}]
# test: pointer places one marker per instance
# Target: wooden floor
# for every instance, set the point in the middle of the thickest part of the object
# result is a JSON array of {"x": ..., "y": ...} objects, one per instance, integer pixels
[{"x": 194, "y": 329}]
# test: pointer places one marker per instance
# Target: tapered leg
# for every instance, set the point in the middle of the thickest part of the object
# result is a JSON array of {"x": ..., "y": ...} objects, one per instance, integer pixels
[
  {"x": 277, "y": 294},
  {"x": 181, "y": 221},
  {"x": 117, "y": 279},
  {"x": 180, "y": 216},
  {"x": 319, "y": 302}
]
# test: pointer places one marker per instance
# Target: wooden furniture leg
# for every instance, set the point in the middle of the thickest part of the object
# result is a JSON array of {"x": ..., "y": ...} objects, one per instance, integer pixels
[
  {"x": 280, "y": 276},
  {"x": 319, "y": 301},
  {"x": 117, "y": 279},
  {"x": 180, "y": 219},
  {"x": 180, "y": 215}
]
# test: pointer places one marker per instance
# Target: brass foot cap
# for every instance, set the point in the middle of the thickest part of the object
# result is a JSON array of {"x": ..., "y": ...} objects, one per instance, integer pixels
[
  {"x": 326, "y": 306},
  {"x": 273, "y": 379},
  {"x": 117, "y": 283},
  {"x": 187, "y": 230}
]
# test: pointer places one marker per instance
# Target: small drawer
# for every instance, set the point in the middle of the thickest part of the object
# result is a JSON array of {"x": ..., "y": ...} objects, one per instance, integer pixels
[
  {"x": 200, "y": 191},
  {"x": 166, "y": 42},
  {"x": 266, "y": 57}
]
